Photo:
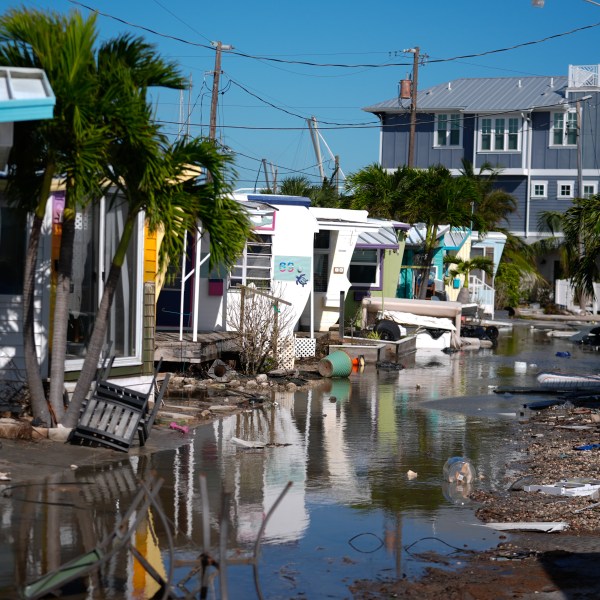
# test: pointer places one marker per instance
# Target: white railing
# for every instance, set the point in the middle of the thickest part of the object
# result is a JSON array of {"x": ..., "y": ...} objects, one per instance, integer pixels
[
  {"x": 565, "y": 297},
  {"x": 483, "y": 294},
  {"x": 583, "y": 76}
]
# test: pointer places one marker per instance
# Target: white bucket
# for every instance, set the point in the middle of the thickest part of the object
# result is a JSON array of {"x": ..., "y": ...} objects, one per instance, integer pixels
[{"x": 520, "y": 367}]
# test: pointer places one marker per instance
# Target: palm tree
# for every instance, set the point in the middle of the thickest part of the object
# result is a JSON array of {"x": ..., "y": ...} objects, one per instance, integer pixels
[
  {"x": 379, "y": 192},
  {"x": 492, "y": 204},
  {"x": 63, "y": 47},
  {"x": 436, "y": 198},
  {"x": 581, "y": 228},
  {"x": 464, "y": 267},
  {"x": 167, "y": 182}
]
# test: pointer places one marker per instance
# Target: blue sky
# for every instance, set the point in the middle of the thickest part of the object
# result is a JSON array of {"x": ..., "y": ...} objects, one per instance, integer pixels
[{"x": 257, "y": 95}]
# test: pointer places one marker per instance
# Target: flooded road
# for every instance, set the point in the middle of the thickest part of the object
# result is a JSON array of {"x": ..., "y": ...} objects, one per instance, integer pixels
[{"x": 346, "y": 445}]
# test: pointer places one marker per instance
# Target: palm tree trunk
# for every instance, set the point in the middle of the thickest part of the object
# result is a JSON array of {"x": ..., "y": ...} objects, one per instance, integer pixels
[
  {"x": 429, "y": 251},
  {"x": 94, "y": 348},
  {"x": 60, "y": 320},
  {"x": 39, "y": 405}
]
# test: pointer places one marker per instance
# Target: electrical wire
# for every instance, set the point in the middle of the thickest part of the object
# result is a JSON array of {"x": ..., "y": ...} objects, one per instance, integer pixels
[
  {"x": 339, "y": 65},
  {"x": 303, "y": 117}
]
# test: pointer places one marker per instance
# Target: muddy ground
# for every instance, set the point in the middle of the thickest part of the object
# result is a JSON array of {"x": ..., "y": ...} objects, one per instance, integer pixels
[{"x": 547, "y": 566}]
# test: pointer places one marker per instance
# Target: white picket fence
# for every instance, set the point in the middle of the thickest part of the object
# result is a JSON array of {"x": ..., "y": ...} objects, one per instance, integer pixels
[
  {"x": 565, "y": 297},
  {"x": 483, "y": 294}
]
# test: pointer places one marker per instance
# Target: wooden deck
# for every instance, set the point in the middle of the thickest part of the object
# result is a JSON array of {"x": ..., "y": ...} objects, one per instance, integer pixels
[{"x": 209, "y": 346}]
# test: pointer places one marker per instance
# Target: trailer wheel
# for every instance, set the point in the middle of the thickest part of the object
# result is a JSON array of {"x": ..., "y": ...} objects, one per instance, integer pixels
[{"x": 388, "y": 331}]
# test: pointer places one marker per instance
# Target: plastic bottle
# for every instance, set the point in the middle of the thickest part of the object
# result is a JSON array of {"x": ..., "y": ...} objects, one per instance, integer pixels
[{"x": 459, "y": 469}]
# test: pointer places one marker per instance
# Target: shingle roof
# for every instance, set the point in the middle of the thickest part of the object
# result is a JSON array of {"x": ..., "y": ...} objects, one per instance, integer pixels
[{"x": 485, "y": 94}]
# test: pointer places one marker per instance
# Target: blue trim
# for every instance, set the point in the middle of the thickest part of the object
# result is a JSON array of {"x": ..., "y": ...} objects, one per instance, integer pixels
[
  {"x": 280, "y": 200},
  {"x": 26, "y": 110}
]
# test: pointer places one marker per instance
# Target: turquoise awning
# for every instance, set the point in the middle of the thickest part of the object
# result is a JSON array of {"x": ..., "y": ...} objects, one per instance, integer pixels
[{"x": 25, "y": 95}]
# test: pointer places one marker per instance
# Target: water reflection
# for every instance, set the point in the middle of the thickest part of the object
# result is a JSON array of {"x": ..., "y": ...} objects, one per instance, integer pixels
[{"x": 346, "y": 445}]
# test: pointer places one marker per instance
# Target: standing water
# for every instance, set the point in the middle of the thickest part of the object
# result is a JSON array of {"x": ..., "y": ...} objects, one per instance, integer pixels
[{"x": 365, "y": 456}]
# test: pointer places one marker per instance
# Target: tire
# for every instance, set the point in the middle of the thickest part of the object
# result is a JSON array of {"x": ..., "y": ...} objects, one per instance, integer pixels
[{"x": 388, "y": 331}]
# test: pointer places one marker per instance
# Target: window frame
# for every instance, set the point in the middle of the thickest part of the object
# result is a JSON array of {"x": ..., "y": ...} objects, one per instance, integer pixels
[
  {"x": 540, "y": 183},
  {"x": 377, "y": 263},
  {"x": 568, "y": 116},
  {"x": 262, "y": 241},
  {"x": 450, "y": 119},
  {"x": 593, "y": 185},
  {"x": 495, "y": 135},
  {"x": 321, "y": 251},
  {"x": 571, "y": 184}
]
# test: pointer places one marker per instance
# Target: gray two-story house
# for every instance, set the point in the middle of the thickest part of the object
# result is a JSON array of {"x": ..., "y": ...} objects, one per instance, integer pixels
[{"x": 542, "y": 132}]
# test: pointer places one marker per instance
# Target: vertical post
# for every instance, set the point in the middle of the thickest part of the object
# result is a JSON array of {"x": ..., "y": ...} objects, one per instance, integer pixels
[
  {"x": 215, "y": 92},
  {"x": 264, "y": 162},
  {"x": 413, "y": 106},
  {"x": 342, "y": 316},
  {"x": 579, "y": 151},
  {"x": 276, "y": 333}
]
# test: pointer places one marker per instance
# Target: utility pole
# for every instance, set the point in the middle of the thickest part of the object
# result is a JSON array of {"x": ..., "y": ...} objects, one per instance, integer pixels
[
  {"x": 219, "y": 47},
  {"x": 579, "y": 145},
  {"x": 264, "y": 163},
  {"x": 413, "y": 105},
  {"x": 312, "y": 127}
]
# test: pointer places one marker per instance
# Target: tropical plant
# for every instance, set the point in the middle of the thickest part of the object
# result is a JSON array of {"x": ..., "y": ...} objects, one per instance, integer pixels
[
  {"x": 581, "y": 228},
  {"x": 175, "y": 185},
  {"x": 68, "y": 144},
  {"x": 463, "y": 268},
  {"x": 492, "y": 204},
  {"x": 380, "y": 192}
]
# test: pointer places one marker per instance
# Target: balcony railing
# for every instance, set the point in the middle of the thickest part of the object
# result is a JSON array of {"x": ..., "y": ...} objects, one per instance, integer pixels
[{"x": 584, "y": 76}]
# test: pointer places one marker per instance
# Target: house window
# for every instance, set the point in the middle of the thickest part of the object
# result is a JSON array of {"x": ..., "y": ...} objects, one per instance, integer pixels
[
  {"x": 448, "y": 130},
  {"x": 590, "y": 189},
  {"x": 364, "y": 268},
  {"x": 321, "y": 260},
  {"x": 98, "y": 231},
  {"x": 539, "y": 189},
  {"x": 254, "y": 266},
  {"x": 564, "y": 129},
  {"x": 565, "y": 189},
  {"x": 500, "y": 135}
]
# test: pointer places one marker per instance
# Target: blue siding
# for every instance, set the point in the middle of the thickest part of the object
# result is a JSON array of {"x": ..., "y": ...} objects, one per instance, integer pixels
[
  {"x": 517, "y": 187},
  {"x": 542, "y": 155}
]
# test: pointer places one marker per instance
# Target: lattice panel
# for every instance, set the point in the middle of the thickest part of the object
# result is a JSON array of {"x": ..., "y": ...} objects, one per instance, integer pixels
[
  {"x": 286, "y": 354},
  {"x": 306, "y": 347}
]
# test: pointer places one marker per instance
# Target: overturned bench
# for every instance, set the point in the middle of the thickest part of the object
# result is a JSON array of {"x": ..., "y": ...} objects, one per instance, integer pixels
[{"x": 114, "y": 414}]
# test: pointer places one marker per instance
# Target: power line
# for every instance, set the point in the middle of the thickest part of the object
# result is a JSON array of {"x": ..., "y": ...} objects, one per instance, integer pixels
[{"x": 339, "y": 65}]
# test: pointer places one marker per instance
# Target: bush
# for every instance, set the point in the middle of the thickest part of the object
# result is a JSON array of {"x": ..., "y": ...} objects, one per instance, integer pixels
[{"x": 507, "y": 283}]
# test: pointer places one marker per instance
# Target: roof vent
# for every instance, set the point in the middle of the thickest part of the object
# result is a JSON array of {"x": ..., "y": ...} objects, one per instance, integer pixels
[
  {"x": 551, "y": 82},
  {"x": 520, "y": 84},
  {"x": 449, "y": 86}
]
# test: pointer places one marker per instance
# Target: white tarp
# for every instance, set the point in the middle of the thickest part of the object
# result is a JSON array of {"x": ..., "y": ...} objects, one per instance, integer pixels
[{"x": 405, "y": 318}]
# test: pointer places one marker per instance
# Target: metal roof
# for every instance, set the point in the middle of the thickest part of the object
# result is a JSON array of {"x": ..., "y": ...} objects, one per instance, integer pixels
[
  {"x": 484, "y": 95},
  {"x": 384, "y": 238},
  {"x": 25, "y": 95}
]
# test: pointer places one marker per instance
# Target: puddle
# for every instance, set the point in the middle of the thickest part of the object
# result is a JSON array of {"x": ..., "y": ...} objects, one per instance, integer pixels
[{"x": 351, "y": 513}]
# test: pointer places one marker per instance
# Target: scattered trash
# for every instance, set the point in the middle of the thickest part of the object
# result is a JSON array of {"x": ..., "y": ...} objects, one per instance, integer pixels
[
  {"x": 520, "y": 367},
  {"x": 74, "y": 467},
  {"x": 246, "y": 443},
  {"x": 587, "y": 447},
  {"x": 459, "y": 469},
  {"x": 183, "y": 428},
  {"x": 545, "y": 527},
  {"x": 569, "y": 487},
  {"x": 411, "y": 474},
  {"x": 563, "y": 354},
  {"x": 519, "y": 484},
  {"x": 4, "y": 476},
  {"x": 220, "y": 371}
]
